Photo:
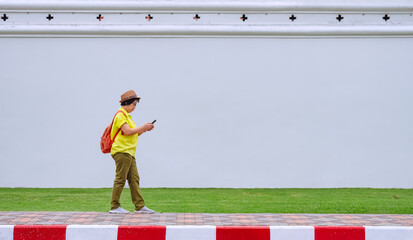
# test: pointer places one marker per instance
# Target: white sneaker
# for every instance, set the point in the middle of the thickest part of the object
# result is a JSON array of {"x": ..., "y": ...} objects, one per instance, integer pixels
[
  {"x": 145, "y": 210},
  {"x": 119, "y": 210}
]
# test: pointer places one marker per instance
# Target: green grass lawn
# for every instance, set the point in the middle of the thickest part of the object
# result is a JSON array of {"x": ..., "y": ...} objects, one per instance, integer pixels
[{"x": 215, "y": 200}]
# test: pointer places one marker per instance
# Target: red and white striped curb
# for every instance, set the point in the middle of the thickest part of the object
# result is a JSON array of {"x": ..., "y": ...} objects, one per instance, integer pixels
[{"x": 187, "y": 232}]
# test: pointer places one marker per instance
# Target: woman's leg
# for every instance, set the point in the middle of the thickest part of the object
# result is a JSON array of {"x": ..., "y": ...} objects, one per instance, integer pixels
[
  {"x": 123, "y": 163},
  {"x": 135, "y": 190}
]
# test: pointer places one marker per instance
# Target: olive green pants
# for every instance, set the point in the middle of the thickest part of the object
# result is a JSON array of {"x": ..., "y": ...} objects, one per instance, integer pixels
[{"x": 126, "y": 169}]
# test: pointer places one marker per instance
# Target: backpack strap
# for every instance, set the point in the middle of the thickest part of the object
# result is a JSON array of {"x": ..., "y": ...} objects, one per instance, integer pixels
[{"x": 114, "y": 121}]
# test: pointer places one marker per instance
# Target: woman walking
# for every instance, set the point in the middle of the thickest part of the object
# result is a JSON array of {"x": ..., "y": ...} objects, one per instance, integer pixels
[{"x": 123, "y": 152}]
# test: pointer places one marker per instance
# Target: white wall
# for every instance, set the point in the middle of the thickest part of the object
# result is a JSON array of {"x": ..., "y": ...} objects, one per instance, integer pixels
[
  {"x": 231, "y": 112},
  {"x": 266, "y": 102}
]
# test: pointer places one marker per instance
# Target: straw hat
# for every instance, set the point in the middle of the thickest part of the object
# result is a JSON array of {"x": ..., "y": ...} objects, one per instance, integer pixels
[{"x": 129, "y": 95}]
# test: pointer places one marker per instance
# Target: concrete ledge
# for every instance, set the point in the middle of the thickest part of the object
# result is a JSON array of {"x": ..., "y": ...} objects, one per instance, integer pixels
[
  {"x": 170, "y": 30},
  {"x": 246, "y": 6},
  {"x": 281, "y": 18},
  {"x": 188, "y": 232}
]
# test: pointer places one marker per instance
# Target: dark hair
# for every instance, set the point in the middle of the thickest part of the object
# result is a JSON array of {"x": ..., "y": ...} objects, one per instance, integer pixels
[{"x": 128, "y": 102}]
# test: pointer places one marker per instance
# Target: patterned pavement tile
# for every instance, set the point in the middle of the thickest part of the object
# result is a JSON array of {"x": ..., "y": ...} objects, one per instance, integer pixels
[{"x": 266, "y": 219}]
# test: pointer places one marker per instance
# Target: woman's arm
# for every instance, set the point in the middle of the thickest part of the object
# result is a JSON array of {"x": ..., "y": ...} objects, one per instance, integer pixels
[{"x": 139, "y": 130}]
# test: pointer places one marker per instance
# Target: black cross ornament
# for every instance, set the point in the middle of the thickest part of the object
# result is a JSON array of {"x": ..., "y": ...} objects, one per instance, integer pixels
[
  {"x": 339, "y": 18},
  {"x": 100, "y": 17},
  {"x": 386, "y": 17},
  {"x": 50, "y": 17},
  {"x": 149, "y": 17},
  {"x": 292, "y": 18},
  {"x": 4, "y": 17},
  {"x": 243, "y": 18},
  {"x": 197, "y": 17}
]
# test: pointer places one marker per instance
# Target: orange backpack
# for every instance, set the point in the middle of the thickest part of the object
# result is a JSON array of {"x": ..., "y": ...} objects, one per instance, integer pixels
[{"x": 105, "y": 141}]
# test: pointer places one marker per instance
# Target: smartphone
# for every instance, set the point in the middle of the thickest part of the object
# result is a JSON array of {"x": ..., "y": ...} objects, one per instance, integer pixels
[{"x": 154, "y": 121}]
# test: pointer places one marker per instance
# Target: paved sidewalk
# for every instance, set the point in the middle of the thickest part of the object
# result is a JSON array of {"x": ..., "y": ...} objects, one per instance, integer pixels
[{"x": 266, "y": 219}]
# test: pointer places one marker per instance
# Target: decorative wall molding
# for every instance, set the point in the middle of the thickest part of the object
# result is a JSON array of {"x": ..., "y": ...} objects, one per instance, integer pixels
[
  {"x": 169, "y": 30},
  {"x": 141, "y": 18},
  {"x": 261, "y": 6}
]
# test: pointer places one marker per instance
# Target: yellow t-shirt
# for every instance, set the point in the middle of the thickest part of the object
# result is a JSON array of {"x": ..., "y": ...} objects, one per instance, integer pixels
[{"x": 123, "y": 143}]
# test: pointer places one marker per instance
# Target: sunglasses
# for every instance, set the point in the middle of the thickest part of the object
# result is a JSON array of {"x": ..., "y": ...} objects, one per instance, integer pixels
[{"x": 136, "y": 102}]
